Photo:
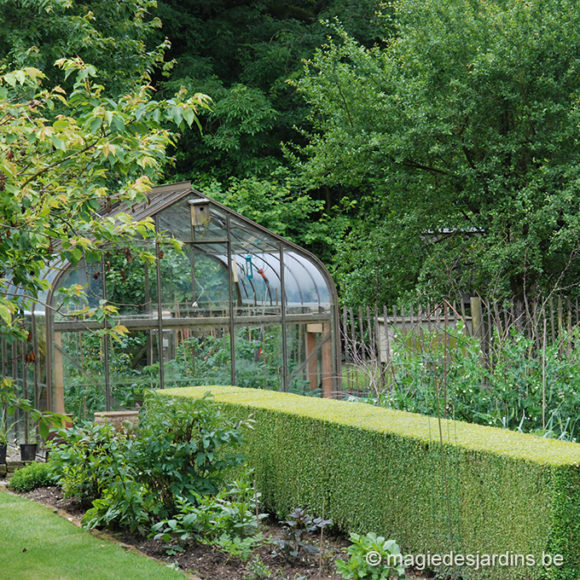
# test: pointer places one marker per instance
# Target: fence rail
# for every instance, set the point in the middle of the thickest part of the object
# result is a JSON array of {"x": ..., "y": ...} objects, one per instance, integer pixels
[{"x": 369, "y": 334}]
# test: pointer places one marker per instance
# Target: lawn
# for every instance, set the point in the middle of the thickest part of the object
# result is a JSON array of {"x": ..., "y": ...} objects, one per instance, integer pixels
[{"x": 36, "y": 543}]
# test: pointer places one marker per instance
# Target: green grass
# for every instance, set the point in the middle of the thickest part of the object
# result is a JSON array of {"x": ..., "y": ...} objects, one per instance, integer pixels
[{"x": 36, "y": 543}]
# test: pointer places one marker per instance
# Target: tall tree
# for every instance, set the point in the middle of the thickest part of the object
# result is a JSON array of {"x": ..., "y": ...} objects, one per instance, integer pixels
[
  {"x": 242, "y": 54},
  {"x": 65, "y": 157},
  {"x": 116, "y": 37},
  {"x": 460, "y": 139}
]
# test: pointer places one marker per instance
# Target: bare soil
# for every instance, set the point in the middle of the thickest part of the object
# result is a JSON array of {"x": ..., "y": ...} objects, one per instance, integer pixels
[{"x": 207, "y": 563}]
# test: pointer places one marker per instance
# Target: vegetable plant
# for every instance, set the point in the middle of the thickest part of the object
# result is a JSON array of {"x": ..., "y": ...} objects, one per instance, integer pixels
[{"x": 298, "y": 525}]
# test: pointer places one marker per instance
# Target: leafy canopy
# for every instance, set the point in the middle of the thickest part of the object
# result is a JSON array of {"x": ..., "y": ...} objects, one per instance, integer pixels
[
  {"x": 459, "y": 143},
  {"x": 116, "y": 37},
  {"x": 66, "y": 157}
]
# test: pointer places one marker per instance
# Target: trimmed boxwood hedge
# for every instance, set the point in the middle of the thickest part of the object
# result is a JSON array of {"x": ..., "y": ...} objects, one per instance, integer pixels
[{"x": 434, "y": 487}]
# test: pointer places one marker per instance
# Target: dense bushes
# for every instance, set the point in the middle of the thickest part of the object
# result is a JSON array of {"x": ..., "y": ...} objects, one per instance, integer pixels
[
  {"x": 467, "y": 488},
  {"x": 181, "y": 452},
  {"x": 427, "y": 374},
  {"x": 31, "y": 477}
]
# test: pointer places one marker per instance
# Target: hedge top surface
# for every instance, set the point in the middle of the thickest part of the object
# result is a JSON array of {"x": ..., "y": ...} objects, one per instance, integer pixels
[{"x": 368, "y": 417}]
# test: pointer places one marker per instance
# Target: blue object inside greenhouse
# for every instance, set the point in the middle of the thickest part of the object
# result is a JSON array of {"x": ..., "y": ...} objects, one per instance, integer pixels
[{"x": 250, "y": 269}]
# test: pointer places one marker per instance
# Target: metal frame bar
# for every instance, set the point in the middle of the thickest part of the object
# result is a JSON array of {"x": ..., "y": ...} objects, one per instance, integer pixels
[
  {"x": 174, "y": 193},
  {"x": 284, "y": 322},
  {"x": 232, "y": 324}
]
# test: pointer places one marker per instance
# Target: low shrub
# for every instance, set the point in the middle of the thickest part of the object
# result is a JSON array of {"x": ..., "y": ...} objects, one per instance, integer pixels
[
  {"x": 31, "y": 477},
  {"x": 184, "y": 449},
  {"x": 435, "y": 487},
  {"x": 230, "y": 513},
  {"x": 297, "y": 528},
  {"x": 86, "y": 459},
  {"x": 372, "y": 557},
  {"x": 180, "y": 454},
  {"x": 125, "y": 504}
]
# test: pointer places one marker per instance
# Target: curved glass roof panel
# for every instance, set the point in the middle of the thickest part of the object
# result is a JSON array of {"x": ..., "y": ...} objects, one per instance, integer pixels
[{"x": 235, "y": 302}]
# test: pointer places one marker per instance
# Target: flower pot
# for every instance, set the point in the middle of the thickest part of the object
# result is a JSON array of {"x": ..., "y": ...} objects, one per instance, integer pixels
[
  {"x": 3, "y": 447},
  {"x": 28, "y": 451}
]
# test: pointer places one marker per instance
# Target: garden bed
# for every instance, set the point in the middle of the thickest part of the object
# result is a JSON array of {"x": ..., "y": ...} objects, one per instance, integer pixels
[{"x": 206, "y": 562}]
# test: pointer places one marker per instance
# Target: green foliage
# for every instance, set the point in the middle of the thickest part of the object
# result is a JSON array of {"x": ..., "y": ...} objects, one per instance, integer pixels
[
  {"x": 31, "y": 477},
  {"x": 298, "y": 525},
  {"x": 179, "y": 453},
  {"x": 87, "y": 459},
  {"x": 184, "y": 448},
  {"x": 125, "y": 504},
  {"x": 373, "y": 468},
  {"x": 448, "y": 138},
  {"x": 240, "y": 548},
  {"x": 64, "y": 157},
  {"x": 432, "y": 375},
  {"x": 229, "y": 520},
  {"x": 11, "y": 401},
  {"x": 242, "y": 55},
  {"x": 258, "y": 569},
  {"x": 117, "y": 38},
  {"x": 275, "y": 204},
  {"x": 384, "y": 562},
  {"x": 209, "y": 518}
]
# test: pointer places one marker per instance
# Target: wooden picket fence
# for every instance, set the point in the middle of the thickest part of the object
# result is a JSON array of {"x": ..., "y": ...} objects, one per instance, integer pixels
[{"x": 368, "y": 335}]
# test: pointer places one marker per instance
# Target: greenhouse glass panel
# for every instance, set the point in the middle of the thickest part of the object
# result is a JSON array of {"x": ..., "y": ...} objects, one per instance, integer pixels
[
  {"x": 130, "y": 282},
  {"x": 259, "y": 357},
  {"x": 225, "y": 302},
  {"x": 79, "y": 372},
  {"x": 201, "y": 356}
]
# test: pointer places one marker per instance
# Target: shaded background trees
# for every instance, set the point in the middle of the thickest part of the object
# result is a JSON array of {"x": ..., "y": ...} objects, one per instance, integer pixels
[
  {"x": 423, "y": 148},
  {"x": 460, "y": 139}
]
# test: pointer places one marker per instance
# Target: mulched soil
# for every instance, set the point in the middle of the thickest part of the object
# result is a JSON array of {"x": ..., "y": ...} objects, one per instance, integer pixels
[{"x": 207, "y": 563}]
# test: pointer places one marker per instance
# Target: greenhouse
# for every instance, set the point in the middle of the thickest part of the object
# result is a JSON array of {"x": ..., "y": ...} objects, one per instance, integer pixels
[{"x": 236, "y": 305}]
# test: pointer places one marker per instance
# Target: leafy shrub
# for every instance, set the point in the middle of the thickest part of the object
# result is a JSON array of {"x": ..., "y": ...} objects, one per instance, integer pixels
[
  {"x": 31, "y": 477},
  {"x": 372, "y": 557},
  {"x": 184, "y": 448},
  {"x": 229, "y": 513},
  {"x": 179, "y": 455},
  {"x": 125, "y": 504},
  {"x": 298, "y": 525},
  {"x": 86, "y": 459}
]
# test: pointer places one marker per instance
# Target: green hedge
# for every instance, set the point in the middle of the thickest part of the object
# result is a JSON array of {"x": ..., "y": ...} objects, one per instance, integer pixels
[{"x": 436, "y": 489}]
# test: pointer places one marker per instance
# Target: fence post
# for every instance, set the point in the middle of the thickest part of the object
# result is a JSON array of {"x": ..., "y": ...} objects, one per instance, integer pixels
[{"x": 476, "y": 317}]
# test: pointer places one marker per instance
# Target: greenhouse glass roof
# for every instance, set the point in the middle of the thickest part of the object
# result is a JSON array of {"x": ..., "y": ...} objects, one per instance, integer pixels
[{"x": 236, "y": 305}]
